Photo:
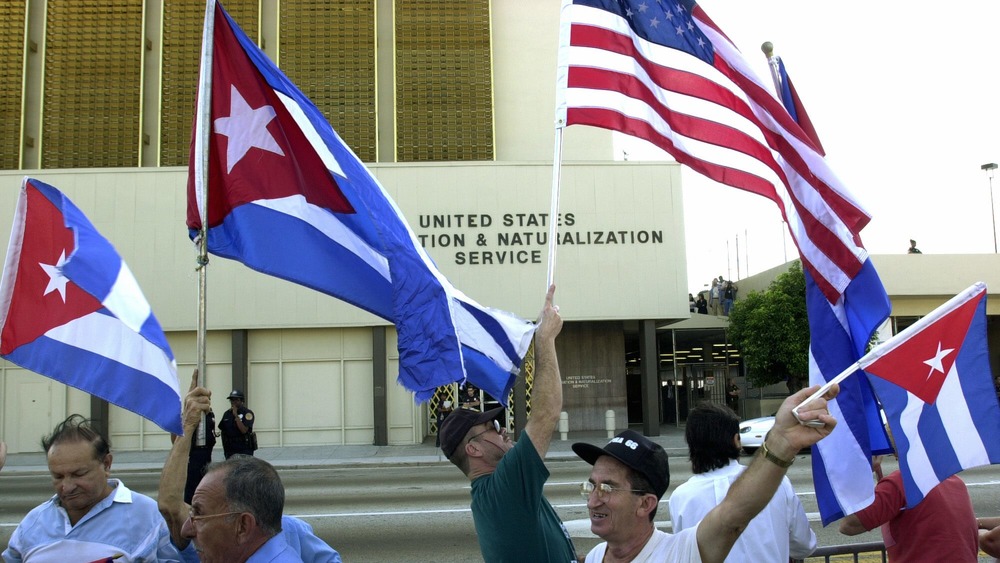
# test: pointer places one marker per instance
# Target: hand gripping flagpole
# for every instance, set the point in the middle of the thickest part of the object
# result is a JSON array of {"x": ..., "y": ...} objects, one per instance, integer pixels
[{"x": 202, "y": 132}]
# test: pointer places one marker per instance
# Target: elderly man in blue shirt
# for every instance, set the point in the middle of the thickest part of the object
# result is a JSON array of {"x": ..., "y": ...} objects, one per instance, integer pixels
[{"x": 91, "y": 517}]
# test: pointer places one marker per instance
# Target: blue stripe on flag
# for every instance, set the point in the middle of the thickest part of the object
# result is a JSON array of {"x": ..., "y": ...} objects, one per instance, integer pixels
[
  {"x": 839, "y": 334},
  {"x": 119, "y": 384}
]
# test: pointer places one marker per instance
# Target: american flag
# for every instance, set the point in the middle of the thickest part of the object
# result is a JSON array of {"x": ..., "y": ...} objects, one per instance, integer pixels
[{"x": 663, "y": 71}]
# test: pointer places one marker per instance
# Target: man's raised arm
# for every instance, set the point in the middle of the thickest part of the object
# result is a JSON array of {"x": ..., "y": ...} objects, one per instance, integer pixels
[
  {"x": 754, "y": 488},
  {"x": 546, "y": 389},
  {"x": 170, "y": 498}
]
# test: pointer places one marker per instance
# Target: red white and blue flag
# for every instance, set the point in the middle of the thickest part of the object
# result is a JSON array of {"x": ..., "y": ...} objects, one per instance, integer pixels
[
  {"x": 664, "y": 72},
  {"x": 936, "y": 387},
  {"x": 71, "y": 310},
  {"x": 287, "y": 197}
]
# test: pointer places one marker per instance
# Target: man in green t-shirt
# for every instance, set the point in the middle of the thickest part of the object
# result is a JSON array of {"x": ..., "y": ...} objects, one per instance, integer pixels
[{"x": 514, "y": 521}]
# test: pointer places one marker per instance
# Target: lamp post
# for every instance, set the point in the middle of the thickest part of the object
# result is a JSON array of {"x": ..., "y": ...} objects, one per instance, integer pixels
[{"x": 989, "y": 167}]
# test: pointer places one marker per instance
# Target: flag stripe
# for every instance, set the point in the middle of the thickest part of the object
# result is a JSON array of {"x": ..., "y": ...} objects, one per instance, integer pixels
[
  {"x": 239, "y": 237},
  {"x": 103, "y": 335},
  {"x": 119, "y": 384}
]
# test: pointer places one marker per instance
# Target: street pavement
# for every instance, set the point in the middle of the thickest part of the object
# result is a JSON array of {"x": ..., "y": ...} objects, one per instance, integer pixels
[{"x": 303, "y": 457}]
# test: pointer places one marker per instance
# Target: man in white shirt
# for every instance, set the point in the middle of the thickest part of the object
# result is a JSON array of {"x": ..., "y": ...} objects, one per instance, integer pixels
[
  {"x": 630, "y": 475},
  {"x": 780, "y": 531}
]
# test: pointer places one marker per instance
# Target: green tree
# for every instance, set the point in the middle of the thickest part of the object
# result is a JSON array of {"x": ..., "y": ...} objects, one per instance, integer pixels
[{"x": 771, "y": 330}]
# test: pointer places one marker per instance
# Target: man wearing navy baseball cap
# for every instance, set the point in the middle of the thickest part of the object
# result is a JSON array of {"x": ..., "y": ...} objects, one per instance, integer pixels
[
  {"x": 631, "y": 475},
  {"x": 514, "y": 521}
]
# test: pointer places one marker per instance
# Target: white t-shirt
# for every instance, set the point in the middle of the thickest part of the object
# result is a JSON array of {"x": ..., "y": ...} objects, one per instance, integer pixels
[{"x": 672, "y": 548}]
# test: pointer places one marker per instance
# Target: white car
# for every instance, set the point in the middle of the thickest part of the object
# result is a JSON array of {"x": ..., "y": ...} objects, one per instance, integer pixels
[{"x": 753, "y": 432}]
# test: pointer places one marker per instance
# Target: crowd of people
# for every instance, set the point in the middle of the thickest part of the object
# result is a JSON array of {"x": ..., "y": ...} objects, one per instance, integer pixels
[
  {"x": 717, "y": 300},
  {"x": 725, "y": 512}
]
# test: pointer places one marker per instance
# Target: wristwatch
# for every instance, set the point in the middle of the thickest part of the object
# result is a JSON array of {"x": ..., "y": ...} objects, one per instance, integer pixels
[{"x": 773, "y": 458}]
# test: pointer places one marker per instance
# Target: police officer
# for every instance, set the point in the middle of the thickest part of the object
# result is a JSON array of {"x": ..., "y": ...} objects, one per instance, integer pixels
[{"x": 236, "y": 425}]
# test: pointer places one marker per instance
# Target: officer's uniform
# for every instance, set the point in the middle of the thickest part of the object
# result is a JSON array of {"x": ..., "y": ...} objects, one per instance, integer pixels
[{"x": 234, "y": 441}]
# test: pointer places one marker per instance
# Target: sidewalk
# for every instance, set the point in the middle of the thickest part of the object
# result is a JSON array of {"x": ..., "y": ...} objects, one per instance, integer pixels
[{"x": 296, "y": 457}]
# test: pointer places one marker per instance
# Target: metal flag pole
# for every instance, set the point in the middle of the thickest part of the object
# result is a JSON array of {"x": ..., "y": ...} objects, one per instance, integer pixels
[
  {"x": 562, "y": 82},
  {"x": 554, "y": 206},
  {"x": 772, "y": 61},
  {"x": 201, "y": 139}
]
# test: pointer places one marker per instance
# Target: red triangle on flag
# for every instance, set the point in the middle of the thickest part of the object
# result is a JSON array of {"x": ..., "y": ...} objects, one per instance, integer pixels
[
  {"x": 36, "y": 304},
  {"x": 921, "y": 363}
]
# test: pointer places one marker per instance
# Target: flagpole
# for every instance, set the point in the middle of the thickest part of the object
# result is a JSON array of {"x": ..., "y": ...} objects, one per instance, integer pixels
[
  {"x": 201, "y": 138},
  {"x": 562, "y": 82},
  {"x": 554, "y": 205}
]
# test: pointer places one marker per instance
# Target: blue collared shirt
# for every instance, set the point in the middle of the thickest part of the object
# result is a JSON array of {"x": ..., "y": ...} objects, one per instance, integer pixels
[{"x": 124, "y": 524}]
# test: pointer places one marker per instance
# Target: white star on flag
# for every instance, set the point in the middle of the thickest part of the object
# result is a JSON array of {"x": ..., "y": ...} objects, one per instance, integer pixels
[
  {"x": 57, "y": 281},
  {"x": 936, "y": 362},
  {"x": 246, "y": 127}
]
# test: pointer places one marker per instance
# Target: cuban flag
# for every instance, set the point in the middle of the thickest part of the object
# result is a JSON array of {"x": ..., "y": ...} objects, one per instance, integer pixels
[
  {"x": 935, "y": 385},
  {"x": 287, "y": 197},
  {"x": 70, "y": 309}
]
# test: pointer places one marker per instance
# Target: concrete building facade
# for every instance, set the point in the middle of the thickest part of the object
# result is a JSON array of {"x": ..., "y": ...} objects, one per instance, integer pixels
[{"x": 452, "y": 105}]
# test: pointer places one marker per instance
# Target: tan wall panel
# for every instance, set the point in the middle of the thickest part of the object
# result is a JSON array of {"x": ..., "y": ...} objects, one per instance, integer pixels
[
  {"x": 359, "y": 415},
  {"x": 310, "y": 394},
  {"x": 264, "y": 398}
]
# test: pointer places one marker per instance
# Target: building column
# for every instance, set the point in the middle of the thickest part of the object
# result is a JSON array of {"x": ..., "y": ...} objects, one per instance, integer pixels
[
  {"x": 649, "y": 360},
  {"x": 100, "y": 415},
  {"x": 380, "y": 407},
  {"x": 241, "y": 361}
]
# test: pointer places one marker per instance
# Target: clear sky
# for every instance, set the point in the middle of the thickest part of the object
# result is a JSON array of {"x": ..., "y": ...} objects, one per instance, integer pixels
[{"x": 905, "y": 97}]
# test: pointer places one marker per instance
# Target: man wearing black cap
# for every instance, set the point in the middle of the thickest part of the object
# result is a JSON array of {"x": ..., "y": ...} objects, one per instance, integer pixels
[
  {"x": 236, "y": 425},
  {"x": 514, "y": 522},
  {"x": 631, "y": 475}
]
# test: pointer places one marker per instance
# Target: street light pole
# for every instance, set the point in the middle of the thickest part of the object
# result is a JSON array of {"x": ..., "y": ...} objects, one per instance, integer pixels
[{"x": 989, "y": 167}]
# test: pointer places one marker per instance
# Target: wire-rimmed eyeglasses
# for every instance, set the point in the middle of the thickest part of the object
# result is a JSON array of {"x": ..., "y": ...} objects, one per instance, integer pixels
[
  {"x": 603, "y": 489},
  {"x": 195, "y": 518},
  {"x": 496, "y": 427}
]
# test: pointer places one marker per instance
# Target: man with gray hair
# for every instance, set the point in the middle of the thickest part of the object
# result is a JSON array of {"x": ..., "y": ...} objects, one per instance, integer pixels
[
  {"x": 236, "y": 514},
  {"x": 91, "y": 517}
]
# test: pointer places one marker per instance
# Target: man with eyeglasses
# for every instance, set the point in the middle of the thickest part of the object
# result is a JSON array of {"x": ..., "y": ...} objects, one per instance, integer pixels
[
  {"x": 631, "y": 474},
  {"x": 298, "y": 534},
  {"x": 513, "y": 519},
  {"x": 91, "y": 517},
  {"x": 235, "y": 514}
]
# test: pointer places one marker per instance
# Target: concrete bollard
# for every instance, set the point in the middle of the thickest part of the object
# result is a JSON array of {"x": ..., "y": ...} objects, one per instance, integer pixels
[
  {"x": 609, "y": 423},
  {"x": 564, "y": 426}
]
